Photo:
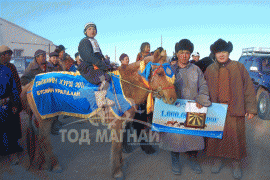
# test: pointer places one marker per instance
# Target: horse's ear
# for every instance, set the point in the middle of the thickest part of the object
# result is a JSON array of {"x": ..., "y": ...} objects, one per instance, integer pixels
[
  {"x": 156, "y": 56},
  {"x": 163, "y": 53},
  {"x": 163, "y": 57},
  {"x": 148, "y": 59}
]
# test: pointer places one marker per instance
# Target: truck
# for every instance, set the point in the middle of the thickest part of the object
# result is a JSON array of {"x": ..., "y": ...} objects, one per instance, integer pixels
[{"x": 257, "y": 62}]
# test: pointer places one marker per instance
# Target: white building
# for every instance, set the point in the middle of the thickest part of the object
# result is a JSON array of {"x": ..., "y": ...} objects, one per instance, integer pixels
[{"x": 21, "y": 41}]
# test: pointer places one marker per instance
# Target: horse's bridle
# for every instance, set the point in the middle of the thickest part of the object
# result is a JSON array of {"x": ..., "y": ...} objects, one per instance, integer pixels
[{"x": 158, "y": 92}]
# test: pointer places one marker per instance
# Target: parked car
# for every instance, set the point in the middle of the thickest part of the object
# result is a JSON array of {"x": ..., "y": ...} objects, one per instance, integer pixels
[
  {"x": 21, "y": 63},
  {"x": 257, "y": 62}
]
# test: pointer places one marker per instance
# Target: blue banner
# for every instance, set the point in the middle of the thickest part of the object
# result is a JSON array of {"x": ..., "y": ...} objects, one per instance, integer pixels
[
  {"x": 165, "y": 113},
  {"x": 68, "y": 93}
]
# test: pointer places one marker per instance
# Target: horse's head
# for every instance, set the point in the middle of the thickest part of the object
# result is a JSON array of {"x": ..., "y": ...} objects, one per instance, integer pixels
[
  {"x": 67, "y": 62},
  {"x": 161, "y": 78}
]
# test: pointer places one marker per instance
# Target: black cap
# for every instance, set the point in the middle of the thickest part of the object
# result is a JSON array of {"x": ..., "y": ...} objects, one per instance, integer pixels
[
  {"x": 60, "y": 48},
  {"x": 39, "y": 52},
  {"x": 65, "y": 56},
  {"x": 53, "y": 54},
  {"x": 76, "y": 54}
]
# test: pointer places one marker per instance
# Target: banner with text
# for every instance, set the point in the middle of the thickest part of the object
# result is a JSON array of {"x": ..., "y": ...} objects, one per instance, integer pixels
[
  {"x": 171, "y": 119},
  {"x": 68, "y": 93}
]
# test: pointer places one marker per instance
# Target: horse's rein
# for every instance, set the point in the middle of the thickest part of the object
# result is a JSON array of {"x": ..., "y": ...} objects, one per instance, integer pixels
[
  {"x": 155, "y": 92},
  {"x": 150, "y": 91}
]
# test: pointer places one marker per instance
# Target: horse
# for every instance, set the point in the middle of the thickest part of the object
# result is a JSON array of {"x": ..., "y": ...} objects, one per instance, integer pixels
[{"x": 134, "y": 89}]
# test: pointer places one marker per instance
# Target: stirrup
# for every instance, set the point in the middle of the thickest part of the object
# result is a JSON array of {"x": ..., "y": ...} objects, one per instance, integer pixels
[{"x": 101, "y": 99}]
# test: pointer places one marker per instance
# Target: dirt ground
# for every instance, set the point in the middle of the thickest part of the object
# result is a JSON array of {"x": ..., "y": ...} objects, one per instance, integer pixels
[{"x": 93, "y": 161}]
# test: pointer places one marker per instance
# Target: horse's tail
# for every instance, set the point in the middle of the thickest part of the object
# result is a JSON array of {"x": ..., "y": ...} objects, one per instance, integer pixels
[
  {"x": 25, "y": 104},
  {"x": 32, "y": 141}
]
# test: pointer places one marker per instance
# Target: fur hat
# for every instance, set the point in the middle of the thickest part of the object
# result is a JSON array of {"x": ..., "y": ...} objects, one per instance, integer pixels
[
  {"x": 123, "y": 56},
  {"x": 4, "y": 49},
  {"x": 87, "y": 25},
  {"x": 184, "y": 44},
  {"x": 221, "y": 45}
]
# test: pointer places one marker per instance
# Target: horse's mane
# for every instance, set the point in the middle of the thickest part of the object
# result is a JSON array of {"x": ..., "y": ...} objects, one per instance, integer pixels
[{"x": 155, "y": 58}]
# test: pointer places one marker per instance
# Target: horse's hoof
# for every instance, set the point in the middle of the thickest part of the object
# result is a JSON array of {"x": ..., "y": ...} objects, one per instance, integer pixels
[
  {"x": 15, "y": 161},
  {"x": 120, "y": 176},
  {"x": 57, "y": 169},
  {"x": 148, "y": 149}
]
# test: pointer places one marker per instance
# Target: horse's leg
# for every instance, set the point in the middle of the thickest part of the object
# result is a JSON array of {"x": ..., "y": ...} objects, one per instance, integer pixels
[
  {"x": 116, "y": 150},
  {"x": 45, "y": 142},
  {"x": 44, "y": 148}
]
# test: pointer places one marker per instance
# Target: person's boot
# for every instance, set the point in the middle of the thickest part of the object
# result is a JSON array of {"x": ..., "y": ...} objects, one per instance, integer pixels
[
  {"x": 148, "y": 149},
  {"x": 195, "y": 166},
  {"x": 104, "y": 86},
  {"x": 176, "y": 167},
  {"x": 14, "y": 159},
  {"x": 216, "y": 166},
  {"x": 237, "y": 172},
  {"x": 56, "y": 126}
]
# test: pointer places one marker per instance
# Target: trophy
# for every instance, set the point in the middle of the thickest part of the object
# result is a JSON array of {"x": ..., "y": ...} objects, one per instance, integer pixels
[{"x": 195, "y": 117}]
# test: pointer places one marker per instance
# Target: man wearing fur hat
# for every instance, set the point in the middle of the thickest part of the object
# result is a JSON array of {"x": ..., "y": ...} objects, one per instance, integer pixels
[
  {"x": 230, "y": 83},
  {"x": 189, "y": 84},
  {"x": 94, "y": 66},
  {"x": 37, "y": 66}
]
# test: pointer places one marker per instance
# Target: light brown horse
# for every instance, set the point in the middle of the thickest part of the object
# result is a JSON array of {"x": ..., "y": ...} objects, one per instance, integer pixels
[{"x": 133, "y": 88}]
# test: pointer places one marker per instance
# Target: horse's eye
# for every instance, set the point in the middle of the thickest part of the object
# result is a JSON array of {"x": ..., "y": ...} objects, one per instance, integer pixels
[{"x": 160, "y": 74}]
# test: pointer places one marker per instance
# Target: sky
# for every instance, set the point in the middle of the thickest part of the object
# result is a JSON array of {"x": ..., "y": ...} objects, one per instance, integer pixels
[{"x": 122, "y": 26}]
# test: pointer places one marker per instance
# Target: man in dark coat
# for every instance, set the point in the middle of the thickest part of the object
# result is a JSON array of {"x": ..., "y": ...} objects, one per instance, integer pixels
[
  {"x": 10, "y": 106},
  {"x": 37, "y": 66},
  {"x": 205, "y": 62},
  {"x": 229, "y": 83},
  {"x": 5, "y": 57}
]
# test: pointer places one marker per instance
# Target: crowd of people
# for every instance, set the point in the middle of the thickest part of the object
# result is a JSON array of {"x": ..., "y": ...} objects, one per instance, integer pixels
[{"x": 214, "y": 79}]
